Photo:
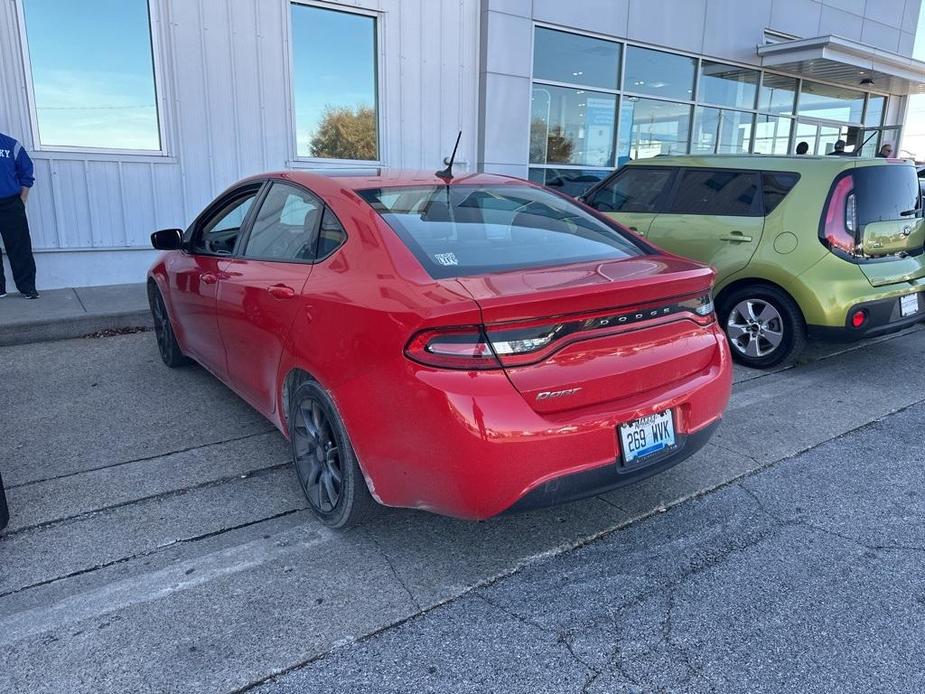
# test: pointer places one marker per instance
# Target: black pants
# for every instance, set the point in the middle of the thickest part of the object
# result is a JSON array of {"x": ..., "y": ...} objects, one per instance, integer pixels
[{"x": 14, "y": 228}]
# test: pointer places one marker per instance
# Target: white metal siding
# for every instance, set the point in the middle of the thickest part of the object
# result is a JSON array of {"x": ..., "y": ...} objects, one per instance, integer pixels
[{"x": 225, "y": 90}]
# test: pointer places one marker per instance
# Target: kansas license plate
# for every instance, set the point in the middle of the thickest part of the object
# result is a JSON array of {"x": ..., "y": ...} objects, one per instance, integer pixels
[
  {"x": 647, "y": 436},
  {"x": 909, "y": 304}
]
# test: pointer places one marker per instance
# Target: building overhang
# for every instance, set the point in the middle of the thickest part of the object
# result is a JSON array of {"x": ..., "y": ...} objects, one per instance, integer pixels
[{"x": 834, "y": 59}]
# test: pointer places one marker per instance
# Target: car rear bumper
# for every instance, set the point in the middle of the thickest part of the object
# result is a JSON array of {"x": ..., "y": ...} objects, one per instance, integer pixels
[
  {"x": 882, "y": 316},
  {"x": 470, "y": 445},
  {"x": 606, "y": 478}
]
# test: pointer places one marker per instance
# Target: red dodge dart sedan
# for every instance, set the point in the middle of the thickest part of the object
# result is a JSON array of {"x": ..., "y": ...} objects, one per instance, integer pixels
[{"x": 469, "y": 346}]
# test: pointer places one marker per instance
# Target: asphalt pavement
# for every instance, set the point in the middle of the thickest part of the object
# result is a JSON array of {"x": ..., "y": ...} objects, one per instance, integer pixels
[{"x": 159, "y": 543}]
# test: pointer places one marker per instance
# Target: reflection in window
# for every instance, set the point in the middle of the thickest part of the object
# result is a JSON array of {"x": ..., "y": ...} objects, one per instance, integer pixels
[
  {"x": 649, "y": 127},
  {"x": 93, "y": 73},
  {"x": 727, "y": 85},
  {"x": 572, "y": 126},
  {"x": 334, "y": 84},
  {"x": 832, "y": 103},
  {"x": 285, "y": 226},
  {"x": 772, "y": 135},
  {"x": 875, "y": 108},
  {"x": 732, "y": 193},
  {"x": 563, "y": 57},
  {"x": 659, "y": 74},
  {"x": 777, "y": 93},
  {"x": 721, "y": 131},
  {"x": 572, "y": 182}
]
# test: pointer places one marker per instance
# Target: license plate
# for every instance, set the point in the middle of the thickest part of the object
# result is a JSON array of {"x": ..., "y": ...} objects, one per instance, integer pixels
[
  {"x": 909, "y": 304},
  {"x": 647, "y": 436}
]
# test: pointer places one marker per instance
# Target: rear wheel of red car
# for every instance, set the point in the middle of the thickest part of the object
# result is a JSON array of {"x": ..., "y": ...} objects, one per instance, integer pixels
[
  {"x": 764, "y": 325},
  {"x": 167, "y": 343},
  {"x": 324, "y": 459}
]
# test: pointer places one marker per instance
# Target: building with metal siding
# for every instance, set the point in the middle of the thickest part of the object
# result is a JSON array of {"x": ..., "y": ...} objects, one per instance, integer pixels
[{"x": 223, "y": 72}]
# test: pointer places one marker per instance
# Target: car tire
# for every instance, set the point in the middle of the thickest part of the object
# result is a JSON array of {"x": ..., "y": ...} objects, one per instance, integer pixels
[
  {"x": 324, "y": 460},
  {"x": 167, "y": 343},
  {"x": 763, "y": 324}
]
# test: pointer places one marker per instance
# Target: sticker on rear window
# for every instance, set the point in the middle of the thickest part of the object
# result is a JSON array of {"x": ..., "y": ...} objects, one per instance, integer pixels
[{"x": 446, "y": 258}]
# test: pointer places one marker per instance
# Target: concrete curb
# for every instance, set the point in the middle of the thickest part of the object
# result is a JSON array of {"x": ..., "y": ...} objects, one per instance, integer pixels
[{"x": 67, "y": 328}]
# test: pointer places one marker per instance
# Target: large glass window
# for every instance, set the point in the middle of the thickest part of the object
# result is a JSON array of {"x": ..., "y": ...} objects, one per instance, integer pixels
[
  {"x": 831, "y": 103},
  {"x": 727, "y": 85},
  {"x": 649, "y": 128},
  {"x": 772, "y": 134},
  {"x": 334, "y": 84},
  {"x": 721, "y": 131},
  {"x": 563, "y": 57},
  {"x": 777, "y": 93},
  {"x": 875, "y": 108},
  {"x": 572, "y": 182},
  {"x": 572, "y": 126},
  {"x": 93, "y": 73},
  {"x": 657, "y": 73}
]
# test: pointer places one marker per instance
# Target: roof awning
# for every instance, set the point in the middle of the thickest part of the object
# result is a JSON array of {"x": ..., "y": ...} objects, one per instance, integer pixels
[{"x": 846, "y": 62}]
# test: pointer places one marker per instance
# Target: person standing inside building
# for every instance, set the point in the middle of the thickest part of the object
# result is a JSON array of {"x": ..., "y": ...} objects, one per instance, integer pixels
[
  {"x": 839, "y": 150},
  {"x": 16, "y": 180},
  {"x": 886, "y": 151},
  {"x": 803, "y": 148}
]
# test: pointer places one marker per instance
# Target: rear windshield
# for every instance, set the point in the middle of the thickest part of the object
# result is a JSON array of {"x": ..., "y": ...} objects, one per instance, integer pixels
[
  {"x": 459, "y": 230},
  {"x": 885, "y": 193}
]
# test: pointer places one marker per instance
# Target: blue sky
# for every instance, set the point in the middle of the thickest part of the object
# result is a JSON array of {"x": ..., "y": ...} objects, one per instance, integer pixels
[
  {"x": 334, "y": 64},
  {"x": 92, "y": 73}
]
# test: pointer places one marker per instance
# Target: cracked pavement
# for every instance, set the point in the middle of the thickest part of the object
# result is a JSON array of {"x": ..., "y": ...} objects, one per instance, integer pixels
[{"x": 159, "y": 542}]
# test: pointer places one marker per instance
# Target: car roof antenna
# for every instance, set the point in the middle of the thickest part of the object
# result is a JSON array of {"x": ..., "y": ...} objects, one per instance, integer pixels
[{"x": 447, "y": 173}]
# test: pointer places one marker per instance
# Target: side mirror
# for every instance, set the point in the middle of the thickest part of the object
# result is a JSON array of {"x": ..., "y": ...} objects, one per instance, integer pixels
[{"x": 167, "y": 239}]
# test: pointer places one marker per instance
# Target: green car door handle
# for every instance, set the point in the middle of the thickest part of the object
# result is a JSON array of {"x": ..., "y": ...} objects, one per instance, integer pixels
[{"x": 736, "y": 237}]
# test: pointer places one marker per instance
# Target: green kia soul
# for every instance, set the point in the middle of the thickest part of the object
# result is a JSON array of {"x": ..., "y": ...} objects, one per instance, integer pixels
[{"x": 827, "y": 246}]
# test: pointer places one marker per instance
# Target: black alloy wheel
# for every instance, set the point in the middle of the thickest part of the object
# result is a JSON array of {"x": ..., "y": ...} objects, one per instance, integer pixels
[
  {"x": 324, "y": 460},
  {"x": 167, "y": 344}
]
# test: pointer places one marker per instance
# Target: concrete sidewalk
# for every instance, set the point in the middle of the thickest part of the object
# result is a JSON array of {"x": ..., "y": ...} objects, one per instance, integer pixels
[{"x": 65, "y": 313}]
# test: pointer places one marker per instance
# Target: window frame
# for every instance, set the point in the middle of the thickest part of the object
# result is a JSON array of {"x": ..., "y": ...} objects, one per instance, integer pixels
[
  {"x": 160, "y": 94},
  {"x": 757, "y": 205},
  {"x": 379, "y": 19},
  {"x": 194, "y": 232},
  {"x": 622, "y": 92}
]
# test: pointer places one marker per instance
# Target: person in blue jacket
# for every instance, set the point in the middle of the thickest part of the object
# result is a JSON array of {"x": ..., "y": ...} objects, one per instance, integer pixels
[{"x": 16, "y": 179}]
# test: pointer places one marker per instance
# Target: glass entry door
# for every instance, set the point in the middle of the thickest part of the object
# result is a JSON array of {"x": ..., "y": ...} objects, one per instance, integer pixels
[{"x": 821, "y": 136}]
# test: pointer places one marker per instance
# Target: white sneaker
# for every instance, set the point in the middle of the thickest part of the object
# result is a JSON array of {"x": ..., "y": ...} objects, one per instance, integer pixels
[{"x": 2, "y": 294}]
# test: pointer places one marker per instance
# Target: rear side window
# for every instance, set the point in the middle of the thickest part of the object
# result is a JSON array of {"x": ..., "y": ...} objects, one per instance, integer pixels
[
  {"x": 885, "y": 193},
  {"x": 461, "y": 230},
  {"x": 718, "y": 192},
  {"x": 775, "y": 187},
  {"x": 632, "y": 190},
  {"x": 286, "y": 225}
]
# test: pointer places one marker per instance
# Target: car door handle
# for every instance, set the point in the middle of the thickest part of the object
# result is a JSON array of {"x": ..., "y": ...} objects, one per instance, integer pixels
[
  {"x": 281, "y": 291},
  {"x": 633, "y": 229},
  {"x": 736, "y": 237},
  {"x": 208, "y": 278}
]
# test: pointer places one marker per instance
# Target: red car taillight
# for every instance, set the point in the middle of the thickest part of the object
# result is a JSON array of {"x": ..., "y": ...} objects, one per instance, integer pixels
[
  {"x": 453, "y": 348},
  {"x": 840, "y": 226},
  {"x": 524, "y": 343}
]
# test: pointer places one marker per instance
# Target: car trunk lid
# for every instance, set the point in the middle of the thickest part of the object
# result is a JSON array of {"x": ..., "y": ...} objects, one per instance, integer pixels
[{"x": 602, "y": 331}]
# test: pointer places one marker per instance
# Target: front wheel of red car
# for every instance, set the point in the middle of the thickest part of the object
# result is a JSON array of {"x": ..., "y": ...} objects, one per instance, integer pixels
[
  {"x": 324, "y": 459},
  {"x": 167, "y": 344},
  {"x": 764, "y": 325}
]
